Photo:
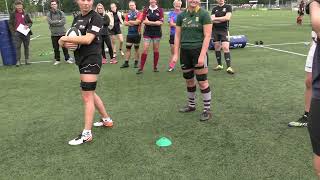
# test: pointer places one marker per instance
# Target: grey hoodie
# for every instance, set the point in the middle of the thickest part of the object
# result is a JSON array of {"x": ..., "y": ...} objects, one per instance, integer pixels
[{"x": 56, "y": 21}]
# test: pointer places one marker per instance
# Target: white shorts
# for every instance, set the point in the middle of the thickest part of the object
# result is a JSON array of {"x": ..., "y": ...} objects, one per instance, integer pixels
[{"x": 309, "y": 61}]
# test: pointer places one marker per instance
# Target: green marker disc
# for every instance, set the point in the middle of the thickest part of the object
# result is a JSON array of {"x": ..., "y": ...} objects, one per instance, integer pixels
[{"x": 163, "y": 142}]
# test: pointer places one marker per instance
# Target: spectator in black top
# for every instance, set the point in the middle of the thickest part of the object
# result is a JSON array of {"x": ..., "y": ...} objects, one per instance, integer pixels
[
  {"x": 116, "y": 30},
  {"x": 105, "y": 34},
  {"x": 88, "y": 58},
  {"x": 221, "y": 16}
]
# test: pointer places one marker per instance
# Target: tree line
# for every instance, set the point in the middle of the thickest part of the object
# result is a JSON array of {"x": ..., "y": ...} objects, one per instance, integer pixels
[{"x": 70, "y": 5}]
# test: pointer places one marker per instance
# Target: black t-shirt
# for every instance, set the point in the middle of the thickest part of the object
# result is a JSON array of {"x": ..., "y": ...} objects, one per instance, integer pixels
[
  {"x": 90, "y": 23},
  {"x": 116, "y": 18},
  {"x": 220, "y": 11},
  {"x": 106, "y": 23}
]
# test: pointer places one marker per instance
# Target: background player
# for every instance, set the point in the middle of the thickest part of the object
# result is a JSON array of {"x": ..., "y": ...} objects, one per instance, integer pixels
[
  {"x": 172, "y": 19},
  {"x": 116, "y": 30},
  {"x": 221, "y": 16},
  {"x": 300, "y": 12},
  {"x": 105, "y": 33},
  {"x": 152, "y": 19},
  {"x": 133, "y": 21}
]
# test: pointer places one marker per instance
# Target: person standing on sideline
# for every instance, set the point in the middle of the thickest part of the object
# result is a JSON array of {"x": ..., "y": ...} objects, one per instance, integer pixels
[
  {"x": 172, "y": 19},
  {"x": 152, "y": 19},
  {"x": 105, "y": 33},
  {"x": 56, "y": 20},
  {"x": 193, "y": 34},
  {"x": 116, "y": 30},
  {"x": 20, "y": 18},
  {"x": 133, "y": 21},
  {"x": 300, "y": 12},
  {"x": 88, "y": 59},
  {"x": 221, "y": 16}
]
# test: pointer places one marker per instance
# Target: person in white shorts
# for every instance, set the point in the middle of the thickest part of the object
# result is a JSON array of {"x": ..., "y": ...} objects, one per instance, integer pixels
[{"x": 302, "y": 122}]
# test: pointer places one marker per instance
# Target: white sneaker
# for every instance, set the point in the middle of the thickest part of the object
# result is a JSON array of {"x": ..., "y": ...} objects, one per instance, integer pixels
[
  {"x": 122, "y": 53},
  {"x": 82, "y": 138},
  {"x": 70, "y": 61},
  {"x": 107, "y": 122},
  {"x": 56, "y": 63}
]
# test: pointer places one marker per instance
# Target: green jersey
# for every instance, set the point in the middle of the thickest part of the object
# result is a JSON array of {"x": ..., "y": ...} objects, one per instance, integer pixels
[{"x": 191, "y": 24}]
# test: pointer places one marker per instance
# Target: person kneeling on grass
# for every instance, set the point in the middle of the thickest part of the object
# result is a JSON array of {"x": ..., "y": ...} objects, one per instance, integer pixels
[{"x": 88, "y": 58}]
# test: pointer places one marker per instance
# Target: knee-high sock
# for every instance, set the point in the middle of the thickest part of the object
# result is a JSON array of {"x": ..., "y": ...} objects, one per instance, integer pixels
[
  {"x": 143, "y": 60},
  {"x": 227, "y": 57},
  {"x": 206, "y": 94},
  {"x": 218, "y": 57},
  {"x": 155, "y": 59},
  {"x": 192, "y": 96}
]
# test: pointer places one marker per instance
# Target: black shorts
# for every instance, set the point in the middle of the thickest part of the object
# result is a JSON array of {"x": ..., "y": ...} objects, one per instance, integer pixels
[
  {"x": 171, "y": 40},
  {"x": 220, "y": 36},
  {"x": 115, "y": 30},
  {"x": 314, "y": 125},
  {"x": 134, "y": 39},
  {"x": 90, "y": 64},
  {"x": 189, "y": 59},
  {"x": 300, "y": 13}
]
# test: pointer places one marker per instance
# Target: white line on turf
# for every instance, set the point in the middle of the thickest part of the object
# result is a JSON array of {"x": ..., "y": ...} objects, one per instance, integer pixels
[
  {"x": 35, "y": 37},
  {"x": 282, "y": 44},
  {"x": 37, "y": 62},
  {"x": 259, "y": 26},
  {"x": 279, "y": 50}
]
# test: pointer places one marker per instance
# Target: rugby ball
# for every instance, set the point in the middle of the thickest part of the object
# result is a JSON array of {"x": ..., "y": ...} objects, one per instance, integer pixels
[{"x": 72, "y": 32}]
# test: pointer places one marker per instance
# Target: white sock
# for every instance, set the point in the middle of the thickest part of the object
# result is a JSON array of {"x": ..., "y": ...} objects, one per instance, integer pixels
[
  {"x": 107, "y": 119},
  {"x": 86, "y": 132}
]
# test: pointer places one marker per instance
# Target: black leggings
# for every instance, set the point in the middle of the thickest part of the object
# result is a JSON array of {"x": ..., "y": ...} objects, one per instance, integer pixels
[{"x": 106, "y": 39}]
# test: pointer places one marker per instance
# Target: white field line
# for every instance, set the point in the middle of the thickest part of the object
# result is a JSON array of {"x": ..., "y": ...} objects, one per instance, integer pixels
[
  {"x": 37, "y": 62},
  {"x": 259, "y": 26},
  {"x": 282, "y": 44},
  {"x": 279, "y": 50},
  {"x": 35, "y": 37}
]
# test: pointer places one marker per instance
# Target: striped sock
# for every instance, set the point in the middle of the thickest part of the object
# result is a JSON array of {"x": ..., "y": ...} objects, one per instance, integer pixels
[
  {"x": 192, "y": 96},
  {"x": 206, "y": 94}
]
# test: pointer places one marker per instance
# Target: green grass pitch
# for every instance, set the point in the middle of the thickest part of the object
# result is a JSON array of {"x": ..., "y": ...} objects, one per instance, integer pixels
[{"x": 247, "y": 138}]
